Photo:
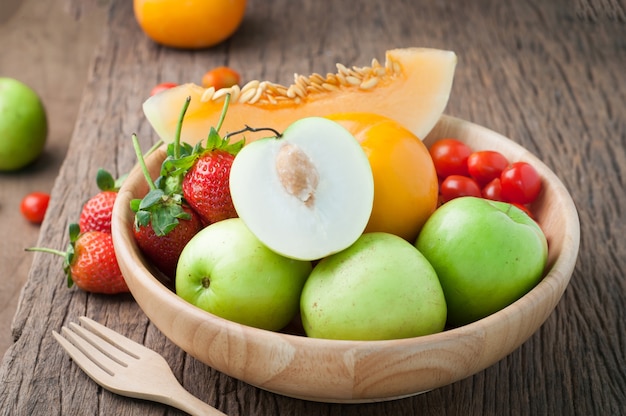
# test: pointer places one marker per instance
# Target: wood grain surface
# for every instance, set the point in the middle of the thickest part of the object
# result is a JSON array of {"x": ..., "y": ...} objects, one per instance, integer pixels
[
  {"x": 35, "y": 38},
  {"x": 549, "y": 75}
]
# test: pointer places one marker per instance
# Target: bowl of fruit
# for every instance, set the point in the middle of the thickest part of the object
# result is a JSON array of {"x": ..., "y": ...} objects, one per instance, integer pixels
[{"x": 345, "y": 270}]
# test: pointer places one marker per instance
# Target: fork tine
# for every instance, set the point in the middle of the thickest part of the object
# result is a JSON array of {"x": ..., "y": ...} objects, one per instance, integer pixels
[
  {"x": 103, "y": 345},
  {"x": 81, "y": 359},
  {"x": 125, "y": 344}
]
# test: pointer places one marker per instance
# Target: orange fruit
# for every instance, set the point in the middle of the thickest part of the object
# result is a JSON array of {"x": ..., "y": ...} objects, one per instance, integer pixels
[
  {"x": 405, "y": 180},
  {"x": 189, "y": 24},
  {"x": 220, "y": 77}
]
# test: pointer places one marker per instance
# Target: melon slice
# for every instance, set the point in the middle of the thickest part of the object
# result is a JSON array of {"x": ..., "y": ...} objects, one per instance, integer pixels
[
  {"x": 306, "y": 194},
  {"x": 412, "y": 87}
]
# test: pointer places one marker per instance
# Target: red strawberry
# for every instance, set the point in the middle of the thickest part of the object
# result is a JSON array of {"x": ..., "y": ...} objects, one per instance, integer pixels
[
  {"x": 188, "y": 174},
  {"x": 94, "y": 267},
  {"x": 164, "y": 250},
  {"x": 90, "y": 262},
  {"x": 96, "y": 212},
  {"x": 201, "y": 174},
  {"x": 206, "y": 186},
  {"x": 163, "y": 223}
]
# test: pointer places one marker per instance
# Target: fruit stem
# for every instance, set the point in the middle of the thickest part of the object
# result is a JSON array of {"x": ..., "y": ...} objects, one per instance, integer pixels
[
  {"x": 142, "y": 163},
  {"x": 253, "y": 130},
  {"x": 179, "y": 128},
  {"x": 223, "y": 114},
  {"x": 47, "y": 250}
]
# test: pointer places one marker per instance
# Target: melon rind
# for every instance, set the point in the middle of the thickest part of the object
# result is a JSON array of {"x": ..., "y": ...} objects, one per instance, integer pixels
[{"x": 412, "y": 87}]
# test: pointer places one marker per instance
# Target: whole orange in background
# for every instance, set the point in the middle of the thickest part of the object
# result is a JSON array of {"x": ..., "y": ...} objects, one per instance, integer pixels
[
  {"x": 405, "y": 180},
  {"x": 189, "y": 24}
]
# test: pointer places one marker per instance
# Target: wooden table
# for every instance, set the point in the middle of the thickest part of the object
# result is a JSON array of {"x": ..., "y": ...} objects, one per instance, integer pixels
[
  {"x": 34, "y": 38},
  {"x": 550, "y": 75}
]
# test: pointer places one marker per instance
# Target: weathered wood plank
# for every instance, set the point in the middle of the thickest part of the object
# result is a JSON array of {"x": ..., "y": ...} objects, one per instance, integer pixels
[{"x": 36, "y": 52}]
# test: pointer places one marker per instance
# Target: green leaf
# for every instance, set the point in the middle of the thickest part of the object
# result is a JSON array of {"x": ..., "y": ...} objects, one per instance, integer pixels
[
  {"x": 183, "y": 215},
  {"x": 177, "y": 211},
  {"x": 171, "y": 185},
  {"x": 198, "y": 148},
  {"x": 142, "y": 218},
  {"x": 184, "y": 149},
  {"x": 74, "y": 231},
  {"x": 134, "y": 204},
  {"x": 234, "y": 148},
  {"x": 163, "y": 222},
  {"x": 178, "y": 166},
  {"x": 214, "y": 141},
  {"x": 69, "y": 256},
  {"x": 152, "y": 198},
  {"x": 105, "y": 181}
]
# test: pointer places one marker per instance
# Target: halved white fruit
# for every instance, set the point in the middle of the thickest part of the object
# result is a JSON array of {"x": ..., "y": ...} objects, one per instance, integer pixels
[{"x": 306, "y": 194}]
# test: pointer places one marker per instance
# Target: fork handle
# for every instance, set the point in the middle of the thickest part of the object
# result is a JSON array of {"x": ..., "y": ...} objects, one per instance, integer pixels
[{"x": 187, "y": 402}]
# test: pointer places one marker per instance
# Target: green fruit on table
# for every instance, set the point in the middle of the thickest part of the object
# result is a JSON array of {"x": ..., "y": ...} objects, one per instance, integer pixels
[
  {"x": 487, "y": 255},
  {"x": 379, "y": 288},
  {"x": 227, "y": 271},
  {"x": 23, "y": 125}
]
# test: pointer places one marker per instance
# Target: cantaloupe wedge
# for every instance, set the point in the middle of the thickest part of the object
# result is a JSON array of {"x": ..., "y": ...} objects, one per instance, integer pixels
[{"x": 412, "y": 87}]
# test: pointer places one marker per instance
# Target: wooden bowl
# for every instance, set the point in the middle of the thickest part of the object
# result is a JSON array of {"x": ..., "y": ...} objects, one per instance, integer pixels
[{"x": 358, "y": 371}]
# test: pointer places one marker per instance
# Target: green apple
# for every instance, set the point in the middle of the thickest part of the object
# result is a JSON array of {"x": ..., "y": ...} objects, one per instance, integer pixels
[
  {"x": 487, "y": 255},
  {"x": 307, "y": 193},
  {"x": 227, "y": 271},
  {"x": 23, "y": 125},
  {"x": 381, "y": 287}
]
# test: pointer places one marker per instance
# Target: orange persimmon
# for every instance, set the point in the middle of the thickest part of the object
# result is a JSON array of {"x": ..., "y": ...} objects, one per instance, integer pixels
[{"x": 405, "y": 180}]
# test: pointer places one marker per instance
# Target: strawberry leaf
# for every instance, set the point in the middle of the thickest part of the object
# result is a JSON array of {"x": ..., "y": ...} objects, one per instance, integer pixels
[
  {"x": 162, "y": 222},
  {"x": 159, "y": 210},
  {"x": 134, "y": 204},
  {"x": 74, "y": 232},
  {"x": 106, "y": 181},
  {"x": 162, "y": 216},
  {"x": 142, "y": 218},
  {"x": 214, "y": 140},
  {"x": 152, "y": 199}
]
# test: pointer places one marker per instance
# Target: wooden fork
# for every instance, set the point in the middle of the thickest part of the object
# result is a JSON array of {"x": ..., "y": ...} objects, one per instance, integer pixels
[{"x": 124, "y": 367}]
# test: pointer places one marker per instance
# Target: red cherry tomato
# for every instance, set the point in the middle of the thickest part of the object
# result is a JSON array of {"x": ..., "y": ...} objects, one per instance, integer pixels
[
  {"x": 486, "y": 165},
  {"x": 34, "y": 206},
  {"x": 521, "y": 183},
  {"x": 220, "y": 77},
  {"x": 493, "y": 190},
  {"x": 162, "y": 87},
  {"x": 455, "y": 186},
  {"x": 450, "y": 157}
]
